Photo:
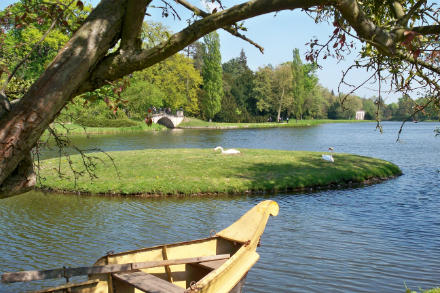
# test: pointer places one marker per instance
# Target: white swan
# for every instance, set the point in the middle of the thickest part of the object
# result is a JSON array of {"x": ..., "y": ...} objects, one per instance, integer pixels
[
  {"x": 228, "y": 152},
  {"x": 329, "y": 157}
]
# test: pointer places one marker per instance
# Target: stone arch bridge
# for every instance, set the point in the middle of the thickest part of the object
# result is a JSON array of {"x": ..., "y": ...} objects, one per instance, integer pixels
[{"x": 168, "y": 120}]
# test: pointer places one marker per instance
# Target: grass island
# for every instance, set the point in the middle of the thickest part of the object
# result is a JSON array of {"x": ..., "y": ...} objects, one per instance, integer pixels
[{"x": 154, "y": 172}]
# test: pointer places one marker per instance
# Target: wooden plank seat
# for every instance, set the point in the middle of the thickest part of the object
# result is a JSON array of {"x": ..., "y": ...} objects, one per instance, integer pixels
[
  {"x": 211, "y": 265},
  {"x": 147, "y": 282}
]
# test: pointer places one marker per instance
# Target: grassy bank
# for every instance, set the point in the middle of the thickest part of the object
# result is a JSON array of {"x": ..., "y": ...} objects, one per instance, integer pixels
[
  {"x": 201, "y": 171},
  {"x": 434, "y": 290},
  {"x": 197, "y": 123},
  {"x": 77, "y": 129},
  {"x": 186, "y": 123}
]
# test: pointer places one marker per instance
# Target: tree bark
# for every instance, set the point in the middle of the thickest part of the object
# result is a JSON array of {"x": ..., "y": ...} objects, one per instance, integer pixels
[
  {"x": 22, "y": 126},
  {"x": 23, "y": 178}
]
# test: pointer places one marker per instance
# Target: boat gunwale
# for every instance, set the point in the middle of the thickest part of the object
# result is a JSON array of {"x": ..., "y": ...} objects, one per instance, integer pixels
[{"x": 168, "y": 246}]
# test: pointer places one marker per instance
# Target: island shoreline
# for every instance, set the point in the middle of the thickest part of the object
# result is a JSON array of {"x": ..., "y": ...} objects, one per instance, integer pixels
[{"x": 332, "y": 186}]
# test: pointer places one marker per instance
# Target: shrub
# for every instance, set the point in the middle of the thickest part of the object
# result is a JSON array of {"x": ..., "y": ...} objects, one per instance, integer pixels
[{"x": 103, "y": 122}]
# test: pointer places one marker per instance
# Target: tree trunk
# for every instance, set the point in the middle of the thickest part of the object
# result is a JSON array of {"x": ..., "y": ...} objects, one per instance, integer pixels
[
  {"x": 279, "y": 108},
  {"x": 22, "y": 126},
  {"x": 23, "y": 178}
]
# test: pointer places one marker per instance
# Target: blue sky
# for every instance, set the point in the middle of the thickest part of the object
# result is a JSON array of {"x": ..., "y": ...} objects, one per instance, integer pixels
[{"x": 278, "y": 35}]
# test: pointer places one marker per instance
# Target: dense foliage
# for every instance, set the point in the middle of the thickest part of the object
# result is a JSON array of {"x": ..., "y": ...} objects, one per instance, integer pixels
[
  {"x": 212, "y": 75},
  {"x": 24, "y": 26}
]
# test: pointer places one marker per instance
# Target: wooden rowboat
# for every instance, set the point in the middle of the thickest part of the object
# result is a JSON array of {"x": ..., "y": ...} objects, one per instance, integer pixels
[{"x": 217, "y": 264}]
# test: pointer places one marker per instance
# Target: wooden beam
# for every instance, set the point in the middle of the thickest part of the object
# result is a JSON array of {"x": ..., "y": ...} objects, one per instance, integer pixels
[
  {"x": 167, "y": 268},
  {"x": 80, "y": 271}
]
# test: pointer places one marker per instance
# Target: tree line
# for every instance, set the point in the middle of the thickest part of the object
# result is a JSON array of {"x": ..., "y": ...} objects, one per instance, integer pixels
[{"x": 196, "y": 81}]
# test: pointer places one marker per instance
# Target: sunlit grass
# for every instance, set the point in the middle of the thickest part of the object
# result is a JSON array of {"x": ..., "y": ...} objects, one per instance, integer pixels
[
  {"x": 193, "y": 171},
  {"x": 434, "y": 290}
]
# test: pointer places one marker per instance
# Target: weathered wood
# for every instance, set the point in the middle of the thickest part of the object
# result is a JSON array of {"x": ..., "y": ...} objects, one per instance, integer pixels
[
  {"x": 66, "y": 286},
  {"x": 32, "y": 276},
  {"x": 167, "y": 268},
  {"x": 171, "y": 262},
  {"x": 80, "y": 271},
  {"x": 59, "y": 273},
  {"x": 148, "y": 283}
]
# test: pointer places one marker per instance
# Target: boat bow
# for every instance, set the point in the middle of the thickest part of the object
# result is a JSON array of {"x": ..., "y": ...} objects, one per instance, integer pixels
[{"x": 247, "y": 231}]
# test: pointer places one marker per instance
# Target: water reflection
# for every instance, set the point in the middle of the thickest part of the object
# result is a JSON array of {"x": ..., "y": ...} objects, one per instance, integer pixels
[{"x": 366, "y": 239}]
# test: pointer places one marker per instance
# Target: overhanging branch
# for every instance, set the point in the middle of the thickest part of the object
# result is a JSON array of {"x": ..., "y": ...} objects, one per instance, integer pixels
[
  {"x": 404, "y": 20},
  {"x": 427, "y": 30},
  {"x": 396, "y": 8},
  {"x": 229, "y": 29},
  {"x": 131, "y": 28},
  {"x": 422, "y": 63},
  {"x": 118, "y": 64}
]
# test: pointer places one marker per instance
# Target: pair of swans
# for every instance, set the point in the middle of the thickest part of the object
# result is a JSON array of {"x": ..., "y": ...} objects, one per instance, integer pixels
[
  {"x": 227, "y": 152},
  {"x": 329, "y": 157}
]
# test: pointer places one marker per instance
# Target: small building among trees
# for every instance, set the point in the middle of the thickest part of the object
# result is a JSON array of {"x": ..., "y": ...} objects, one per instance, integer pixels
[{"x": 360, "y": 115}]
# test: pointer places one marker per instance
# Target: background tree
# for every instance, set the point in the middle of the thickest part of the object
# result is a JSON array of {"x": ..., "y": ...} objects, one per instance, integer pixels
[
  {"x": 298, "y": 84},
  {"x": 242, "y": 60},
  {"x": 178, "y": 80},
  {"x": 263, "y": 90},
  {"x": 368, "y": 105},
  {"x": 273, "y": 88},
  {"x": 212, "y": 75},
  {"x": 350, "y": 106},
  {"x": 195, "y": 52},
  {"x": 142, "y": 95},
  {"x": 314, "y": 104}
]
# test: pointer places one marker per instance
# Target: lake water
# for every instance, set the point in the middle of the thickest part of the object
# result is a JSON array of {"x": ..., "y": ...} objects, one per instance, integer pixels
[{"x": 373, "y": 238}]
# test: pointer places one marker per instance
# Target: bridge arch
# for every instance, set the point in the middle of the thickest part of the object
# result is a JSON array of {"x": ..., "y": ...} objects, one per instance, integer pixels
[
  {"x": 165, "y": 121},
  {"x": 168, "y": 120}
]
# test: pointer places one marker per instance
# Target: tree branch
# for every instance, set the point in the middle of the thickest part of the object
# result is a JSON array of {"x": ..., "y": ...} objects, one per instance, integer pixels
[
  {"x": 397, "y": 8},
  {"x": 422, "y": 63},
  {"x": 229, "y": 29},
  {"x": 132, "y": 26},
  {"x": 426, "y": 30},
  {"x": 403, "y": 22},
  {"x": 366, "y": 29},
  {"x": 119, "y": 64}
]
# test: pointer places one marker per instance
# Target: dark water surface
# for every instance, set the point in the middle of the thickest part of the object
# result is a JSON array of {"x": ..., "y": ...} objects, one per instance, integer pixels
[{"x": 365, "y": 239}]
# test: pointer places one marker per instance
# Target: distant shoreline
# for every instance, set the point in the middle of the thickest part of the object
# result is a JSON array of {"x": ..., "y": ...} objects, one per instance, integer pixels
[{"x": 194, "y": 123}]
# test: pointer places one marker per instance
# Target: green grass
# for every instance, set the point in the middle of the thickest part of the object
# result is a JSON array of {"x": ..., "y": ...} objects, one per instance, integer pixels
[
  {"x": 76, "y": 129},
  {"x": 201, "y": 171},
  {"x": 194, "y": 122},
  {"x": 434, "y": 290}
]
